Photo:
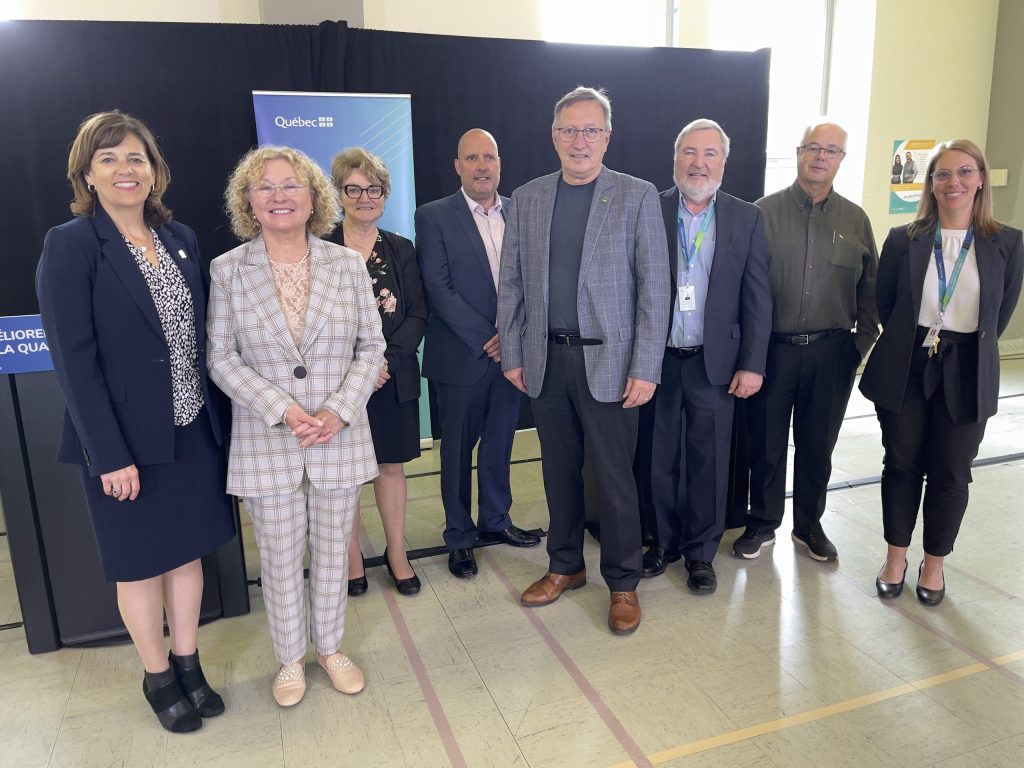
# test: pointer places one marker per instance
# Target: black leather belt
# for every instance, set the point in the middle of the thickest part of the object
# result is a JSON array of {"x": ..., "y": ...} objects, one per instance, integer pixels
[
  {"x": 685, "y": 352},
  {"x": 573, "y": 340},
  {"x": 803, "y": 339}
]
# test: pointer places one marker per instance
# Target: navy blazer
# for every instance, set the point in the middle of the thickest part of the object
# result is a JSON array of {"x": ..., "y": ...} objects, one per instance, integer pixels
[
  {"x": 738, "y": 308},
  {"x": 410, "y": 317},
  {"x": 901, "y": 272},
  {"x": 460, "y": 291},
  {"x": 108, "y": 346}
]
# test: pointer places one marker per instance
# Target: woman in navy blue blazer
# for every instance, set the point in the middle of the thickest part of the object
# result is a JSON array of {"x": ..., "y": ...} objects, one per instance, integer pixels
[
  {"x": 123, "y": 302},
  {"x": 363, "y": 185},
  {"x": 947, "y": 285}
]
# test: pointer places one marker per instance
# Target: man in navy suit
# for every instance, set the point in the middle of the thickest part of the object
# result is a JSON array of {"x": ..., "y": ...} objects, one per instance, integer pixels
[
  {"x": 458, "y": 244},
  {"x": 716, "y": 348}
]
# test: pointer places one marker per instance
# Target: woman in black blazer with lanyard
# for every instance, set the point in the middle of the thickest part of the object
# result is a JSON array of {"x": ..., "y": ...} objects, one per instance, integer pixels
[
  {"x": 123, "y": 302},
  {"x": 947, "y": 285},
  {"x": 363, "y": 185}
]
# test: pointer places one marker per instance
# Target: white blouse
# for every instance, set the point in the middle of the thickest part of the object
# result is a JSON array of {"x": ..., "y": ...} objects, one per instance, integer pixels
[{"x": 962, "y": 313}]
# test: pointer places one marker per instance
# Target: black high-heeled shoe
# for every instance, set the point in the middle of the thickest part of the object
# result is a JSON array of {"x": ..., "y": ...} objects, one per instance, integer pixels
[
  {"x": 207, "y": 702},
  {"x": 174, "y": 711},
  {"x": 404, "y": 586},
  {"x": 359, "y": 585},
  {"x": 929, "y": 596},
  {"x": 885, "y": 589}
]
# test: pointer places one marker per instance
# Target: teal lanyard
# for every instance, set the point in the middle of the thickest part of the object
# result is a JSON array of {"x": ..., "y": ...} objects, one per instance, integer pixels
[
  {"x": 946, "y": 291},
  {"x": 709, "y": 216}
]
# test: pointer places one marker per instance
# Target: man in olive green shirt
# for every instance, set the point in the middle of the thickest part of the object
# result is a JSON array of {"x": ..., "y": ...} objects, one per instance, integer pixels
[{"x": 824, "y": 320}]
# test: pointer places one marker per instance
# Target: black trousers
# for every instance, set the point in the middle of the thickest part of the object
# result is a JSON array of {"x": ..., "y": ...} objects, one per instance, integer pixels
[
  {"x": 924, "y": 440},
  {"x": 569, "y": 418},
  {"x": 811, "y": 386},
  {"x": 486, "y": 411},
  {"x": 690, "y": 462}
]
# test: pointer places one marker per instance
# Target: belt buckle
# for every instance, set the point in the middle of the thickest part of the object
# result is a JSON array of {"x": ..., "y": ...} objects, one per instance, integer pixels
[{"x": 802, "y": 339}]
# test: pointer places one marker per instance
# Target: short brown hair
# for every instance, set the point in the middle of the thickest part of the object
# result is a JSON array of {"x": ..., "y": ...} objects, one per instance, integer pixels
[
  {"x": 985, "y": 224},
  {"x": 326, "y": 208},
  {"x": 102, "y": 131},
  {"x": 360, "y": 159}
]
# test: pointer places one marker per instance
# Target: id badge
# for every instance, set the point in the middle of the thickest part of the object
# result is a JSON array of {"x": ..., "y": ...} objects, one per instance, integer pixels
[
  {"x": 687, "y": 298},
  {"x": 931, "y": 341}
]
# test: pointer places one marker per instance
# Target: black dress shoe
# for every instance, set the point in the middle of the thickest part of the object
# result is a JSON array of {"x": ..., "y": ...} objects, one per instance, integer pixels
[
  {"x": 408, "y": 586},
  {"x": 656, "y": 560},
  {"x": 886, "y": 590},
  {"x": 175, "y": 712},
  {"x": 929, "y": 596},
  {"x": 359, "y": 584},
  {"x": 208, "y": 702},
  {"x": 513, "y": 536},
  {"x": 462, "y": 563},
  {"x": 702, "y": 577}
]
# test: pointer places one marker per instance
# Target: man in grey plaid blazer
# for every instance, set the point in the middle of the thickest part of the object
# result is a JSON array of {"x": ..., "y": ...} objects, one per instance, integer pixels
[{"x": 582, "y": 317}]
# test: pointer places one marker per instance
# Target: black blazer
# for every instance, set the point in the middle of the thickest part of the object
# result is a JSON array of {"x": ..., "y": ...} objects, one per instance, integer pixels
[
  {"x": 738, "y": 309},
  {"x": 901, "y": 272},
  {"x": 108, "y": 347},
  {"x": 410, "y": 318},
  {"x": 460, "y": 291}
]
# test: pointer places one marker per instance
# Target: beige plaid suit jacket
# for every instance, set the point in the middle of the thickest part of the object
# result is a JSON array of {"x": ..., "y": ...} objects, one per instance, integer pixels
[{"x": 253, "y": 359}]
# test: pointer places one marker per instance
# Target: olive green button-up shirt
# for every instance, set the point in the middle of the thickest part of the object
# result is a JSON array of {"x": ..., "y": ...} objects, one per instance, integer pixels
[{"x": 823, "y": 265}]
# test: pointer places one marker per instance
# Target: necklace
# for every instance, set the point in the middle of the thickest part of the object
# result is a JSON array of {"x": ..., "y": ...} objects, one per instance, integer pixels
[
  {"x": 305, "y": 256},
  {"x": 365, "y": 246}
]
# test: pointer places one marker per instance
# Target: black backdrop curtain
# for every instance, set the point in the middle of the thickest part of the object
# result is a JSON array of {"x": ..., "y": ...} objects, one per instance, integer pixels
[{"x": 192, "y": 84}]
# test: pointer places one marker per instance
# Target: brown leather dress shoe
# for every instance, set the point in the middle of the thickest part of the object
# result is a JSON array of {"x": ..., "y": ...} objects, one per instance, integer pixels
[
  {"x": 624, "y": 613},
  {"x": 548, "y": 588}
]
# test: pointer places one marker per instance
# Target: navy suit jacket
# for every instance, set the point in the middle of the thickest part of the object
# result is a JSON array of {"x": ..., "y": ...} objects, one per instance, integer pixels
[
  {"x": 461, "y": 296},
  {"x": 738, "y": 309},
  {"x": 108, "y": 346},
  {"x": 900, "y": 284}
]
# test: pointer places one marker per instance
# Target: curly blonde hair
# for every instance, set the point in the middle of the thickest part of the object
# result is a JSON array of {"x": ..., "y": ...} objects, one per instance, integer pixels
[{"x": 247, "y": 174}]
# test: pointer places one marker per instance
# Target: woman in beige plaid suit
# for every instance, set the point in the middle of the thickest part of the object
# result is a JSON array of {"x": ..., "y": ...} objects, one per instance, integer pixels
[{"x": 295, "y": 341}]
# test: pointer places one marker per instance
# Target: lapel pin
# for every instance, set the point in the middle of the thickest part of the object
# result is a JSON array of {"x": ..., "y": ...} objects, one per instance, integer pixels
[
  {"x": 182, "y": 254},
  {"x": 604, "y": 199}
]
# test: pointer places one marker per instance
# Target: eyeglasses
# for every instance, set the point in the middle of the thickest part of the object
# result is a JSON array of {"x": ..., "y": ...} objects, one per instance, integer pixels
[
  {"x": 291, "y": 189},
  {"x": 963, "y": 173},
  {"x": 354, "y": 191},
  {"x": 815, "y": 149},
  {"x": 590, "y": 135}
]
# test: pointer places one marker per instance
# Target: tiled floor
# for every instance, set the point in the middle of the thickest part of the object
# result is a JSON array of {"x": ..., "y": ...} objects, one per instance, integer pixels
[{"x": 790, "y": 663}]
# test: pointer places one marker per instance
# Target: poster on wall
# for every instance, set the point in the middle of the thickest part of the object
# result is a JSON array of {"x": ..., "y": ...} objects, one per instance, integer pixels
[
  {"x": 909, "y": 162},
  {"x": 323, "y": 124}
]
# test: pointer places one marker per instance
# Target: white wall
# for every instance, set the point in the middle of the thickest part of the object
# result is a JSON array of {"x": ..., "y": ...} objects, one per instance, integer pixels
[{"x": 205, "y": 11}]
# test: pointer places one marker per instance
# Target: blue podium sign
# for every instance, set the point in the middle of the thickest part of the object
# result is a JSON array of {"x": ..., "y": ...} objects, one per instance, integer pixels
[{"x": 23, "y": 347}]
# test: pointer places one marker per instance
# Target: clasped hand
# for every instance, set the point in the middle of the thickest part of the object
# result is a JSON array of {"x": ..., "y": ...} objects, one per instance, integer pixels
[{"x": 312, "y": 430}]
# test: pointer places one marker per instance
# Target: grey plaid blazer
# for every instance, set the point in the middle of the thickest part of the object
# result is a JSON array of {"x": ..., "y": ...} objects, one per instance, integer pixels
[
  {"x": 252, "y": 357},
  {"x": 623, "y": 293}
]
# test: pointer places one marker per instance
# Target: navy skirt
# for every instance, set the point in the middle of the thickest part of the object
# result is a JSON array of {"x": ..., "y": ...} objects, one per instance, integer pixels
[{"x": 181, "y": 513}]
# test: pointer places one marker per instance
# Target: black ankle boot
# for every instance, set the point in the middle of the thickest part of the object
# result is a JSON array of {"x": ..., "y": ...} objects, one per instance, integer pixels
[
  {"x": 206, "y": 701},
  {"x": 175, "y": 713}
]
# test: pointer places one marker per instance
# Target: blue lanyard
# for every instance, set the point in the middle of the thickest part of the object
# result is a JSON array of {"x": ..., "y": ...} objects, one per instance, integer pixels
[
  {"x": 709, "y": 216},
  {"x": 946, "y": 291}
]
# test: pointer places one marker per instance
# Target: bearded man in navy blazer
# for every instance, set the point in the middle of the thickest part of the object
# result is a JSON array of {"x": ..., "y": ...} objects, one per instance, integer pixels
[
  {"x": 458, "y": 244},
  {"x": 717, "y": 343}
]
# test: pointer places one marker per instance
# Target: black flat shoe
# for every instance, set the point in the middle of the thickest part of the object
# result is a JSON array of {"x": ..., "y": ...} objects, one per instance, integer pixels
[
  {"x": 408, "y": 586},
  {"x": 513, "y": 536},
  {"x": 656, "y": 560},
  {"x": 886, "y": 590},
  {"x": 929, "y": 596},
  {"x": 702, "y": 579},
  {"x": 359, "y": 585},
  {"x": 207, "y": 702},
  {"x": 175, "y": 712},
  {"x": 462, "y": 563}
]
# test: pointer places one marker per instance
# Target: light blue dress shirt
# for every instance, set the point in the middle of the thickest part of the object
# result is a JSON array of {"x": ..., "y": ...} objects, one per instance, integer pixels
[{"x": 688, "y": 327}]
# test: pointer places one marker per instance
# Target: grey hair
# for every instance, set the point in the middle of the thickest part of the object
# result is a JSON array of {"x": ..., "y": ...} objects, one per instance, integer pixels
[
  {"x": 703, "y": 124},
  {"x": 583, "y": 93},
  {"x": 815, "y": 126}
]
